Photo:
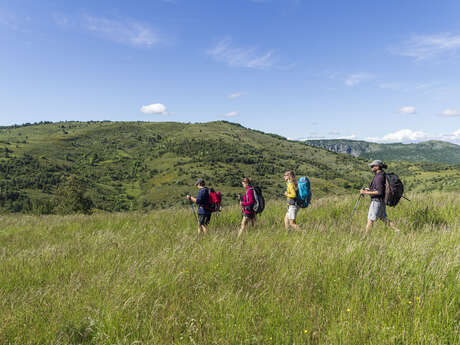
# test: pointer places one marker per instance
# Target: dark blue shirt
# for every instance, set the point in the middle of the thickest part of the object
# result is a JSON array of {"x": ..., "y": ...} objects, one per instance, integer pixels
[
  {"x": 378, "y": 184},
  {"x": 202, "y": 200}
]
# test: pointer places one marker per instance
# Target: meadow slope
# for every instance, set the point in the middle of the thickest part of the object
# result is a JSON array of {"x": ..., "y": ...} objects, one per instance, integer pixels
[
  {"x": 145, "y": 278},
  {"x": 129, "y": 166}
]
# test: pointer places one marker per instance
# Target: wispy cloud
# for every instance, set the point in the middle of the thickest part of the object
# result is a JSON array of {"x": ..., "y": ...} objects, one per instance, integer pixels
[
  {"x": 424, "y": 47},
  {"x": 409, "y": 136},
  {"x": 358, "y": 78},
  {"x": 237, "y": 94},
  {"x": 13, "y": 21},
  {"x": 450, "y": 112},
  {"x": 247, "y": 57},
  {"x": 122, "y": 31},
  {"x": 348, "y": 137},
  {"x": 403, "y": 135},
  {"x": 119, "y": 30},
  {"x": 408, "y": 110},
  {"x": 231, "y": 114}
]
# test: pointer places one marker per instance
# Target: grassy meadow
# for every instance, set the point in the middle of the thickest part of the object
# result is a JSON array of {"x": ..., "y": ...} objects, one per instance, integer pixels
[{"x": 146, "y": 278}]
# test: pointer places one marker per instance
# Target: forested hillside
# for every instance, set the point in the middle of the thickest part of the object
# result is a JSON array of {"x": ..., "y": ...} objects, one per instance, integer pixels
[
  {"x": 428, "y": 151},
  {"x": 116, "y": 166}
]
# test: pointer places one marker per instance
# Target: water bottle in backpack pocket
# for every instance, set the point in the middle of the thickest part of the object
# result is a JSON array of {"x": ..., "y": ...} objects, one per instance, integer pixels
[{"x": 303, "y": 198}]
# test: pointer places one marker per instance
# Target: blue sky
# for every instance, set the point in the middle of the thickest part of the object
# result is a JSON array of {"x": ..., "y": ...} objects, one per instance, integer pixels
[{"x": 375, "y": 70}]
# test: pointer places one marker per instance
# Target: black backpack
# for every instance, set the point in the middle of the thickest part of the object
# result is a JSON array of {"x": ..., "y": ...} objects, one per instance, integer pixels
[
  {"x": 259, "y": 201},
  {"x": 394, "y": 189}
]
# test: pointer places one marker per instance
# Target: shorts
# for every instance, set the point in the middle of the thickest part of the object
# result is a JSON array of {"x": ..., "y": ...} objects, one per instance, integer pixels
[
  {"x": 203, "y": 219},
  {"x": 250, "y": 215},
  {"x": 292, "y": 212},
  {"x": 377, "y": 210}
]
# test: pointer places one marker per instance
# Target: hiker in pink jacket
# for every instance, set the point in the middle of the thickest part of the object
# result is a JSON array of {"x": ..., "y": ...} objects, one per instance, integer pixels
[{"x": 247, "y": 204}]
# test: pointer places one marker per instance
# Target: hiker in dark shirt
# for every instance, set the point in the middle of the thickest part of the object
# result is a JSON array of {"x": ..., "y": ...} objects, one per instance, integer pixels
[
  {"x": 376, "y": 191},
  {"x": 202, "y": 200}
]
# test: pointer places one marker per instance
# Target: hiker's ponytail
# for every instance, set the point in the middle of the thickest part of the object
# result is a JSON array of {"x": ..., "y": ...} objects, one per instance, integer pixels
[{"x": 384, "y": 166}]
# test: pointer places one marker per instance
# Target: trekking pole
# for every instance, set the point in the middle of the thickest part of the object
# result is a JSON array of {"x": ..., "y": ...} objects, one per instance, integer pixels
[
  {"x": 192, "y": 205},
  {"x": 405, "y": 198},
  {"x": 354, "y": 208}
]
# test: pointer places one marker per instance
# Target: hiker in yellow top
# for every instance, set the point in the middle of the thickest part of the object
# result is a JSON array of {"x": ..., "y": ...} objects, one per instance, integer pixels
[{"x": 291, "y": 195}]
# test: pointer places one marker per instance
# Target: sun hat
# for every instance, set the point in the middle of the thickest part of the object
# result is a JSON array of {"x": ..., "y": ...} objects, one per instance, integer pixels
[
  {"x": 376, "y": 162},
  {"x": 199, "y": 181}
]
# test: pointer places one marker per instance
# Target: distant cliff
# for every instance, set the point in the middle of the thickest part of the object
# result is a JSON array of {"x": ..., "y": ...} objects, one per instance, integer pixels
[{"x": 428, "y": 151}]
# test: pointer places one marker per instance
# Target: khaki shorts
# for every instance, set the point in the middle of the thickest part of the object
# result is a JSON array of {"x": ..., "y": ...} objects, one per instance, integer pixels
[
  {"x": 292, "y": 212},
  {"x": 377, "y": 210}
]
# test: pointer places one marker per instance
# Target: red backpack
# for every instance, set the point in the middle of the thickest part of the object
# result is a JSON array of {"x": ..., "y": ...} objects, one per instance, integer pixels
[{"x": 215, "y": 199}]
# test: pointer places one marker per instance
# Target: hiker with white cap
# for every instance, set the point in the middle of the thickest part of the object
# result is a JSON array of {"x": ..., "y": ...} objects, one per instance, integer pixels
[{"x": 376, "y": 191}]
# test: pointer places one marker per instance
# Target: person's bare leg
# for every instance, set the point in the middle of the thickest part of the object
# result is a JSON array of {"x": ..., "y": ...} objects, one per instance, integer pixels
[
  {"x": 243, "y": 225},
  {"x": 293, "y": 224},
  {"x": 204, "y": 228},
  {"x": 391, "y": 224},
  {"x": 286, "y": 222},
  {"x": 369, "y": 225}
]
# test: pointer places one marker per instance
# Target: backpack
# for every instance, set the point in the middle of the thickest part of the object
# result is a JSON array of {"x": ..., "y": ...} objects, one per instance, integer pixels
[
  {"x": 394, "y": 189},
  {"x": 303, "y": 197},
  {"x": 259, "y": 201},
  {"x": 215, "y": 199}
]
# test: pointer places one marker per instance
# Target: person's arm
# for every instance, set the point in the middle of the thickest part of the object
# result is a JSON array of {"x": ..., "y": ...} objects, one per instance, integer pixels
[
  {"x": 369, "y": 192},
  {"x": 191, "y": 198},
  {"x": 379, "y": 187},
  {"x": 291, "y": 193},
  {"x": 249, "y": 200}
]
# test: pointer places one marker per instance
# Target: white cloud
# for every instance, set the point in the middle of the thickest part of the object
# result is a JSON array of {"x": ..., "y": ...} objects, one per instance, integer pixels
[
  {"x": 349, "y": 137},
  {"x": 233, "y": 56},
  {"x": 156, "y": 108},
  {"x": 237, "y": 94},
  {"x": 403, "y": 135},
  {"x": 407, "y": 110},
  {"x": 410, "y": 136},
  {"x": 423, "y": 47},
  {"x": 358, "y": 78},
  {"x": 231, "y": 114},
  {"x": 452, "y": 137},
  {"x": 121, "y": 31},
  {"x": 450, "y": 112}
]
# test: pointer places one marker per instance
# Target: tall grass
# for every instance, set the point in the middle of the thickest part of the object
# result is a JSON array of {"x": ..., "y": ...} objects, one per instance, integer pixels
[{"x": 138, "y": 278}]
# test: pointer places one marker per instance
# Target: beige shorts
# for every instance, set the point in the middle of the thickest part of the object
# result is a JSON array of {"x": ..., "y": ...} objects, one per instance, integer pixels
[
  {"x": 377, "y": 210},
  {"x": 292, "y": 212}
]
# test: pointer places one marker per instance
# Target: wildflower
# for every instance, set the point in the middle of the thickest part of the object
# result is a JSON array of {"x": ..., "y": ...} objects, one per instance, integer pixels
[
  {"x": 348, "y": 310},
  {"x": 410, "y": 302},
  {"x": 305, "y": 331}
]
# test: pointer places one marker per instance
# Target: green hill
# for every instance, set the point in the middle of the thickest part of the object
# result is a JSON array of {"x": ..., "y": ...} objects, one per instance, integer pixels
[
  {"x": 429, "y": 151},
  {"x": 144, "y": 165}
]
